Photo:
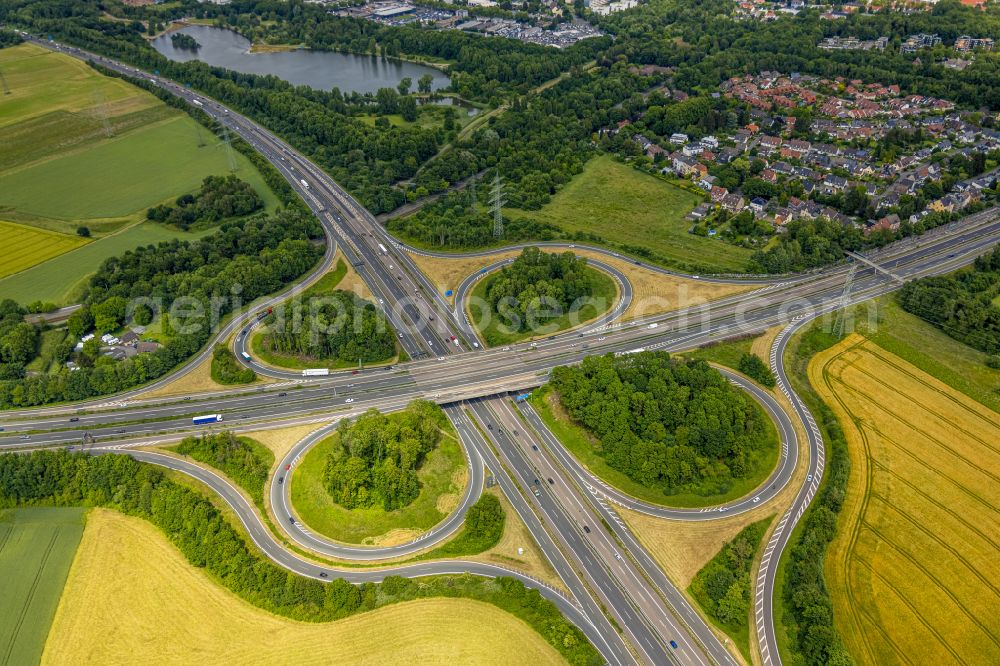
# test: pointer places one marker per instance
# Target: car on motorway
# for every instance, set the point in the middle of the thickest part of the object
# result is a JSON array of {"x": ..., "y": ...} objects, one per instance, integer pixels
[
  {"x": 551, "y": 481},
  {"x": 323, "y": 574},
  {"x": 673, "y": 644},
  {"x": 74, "y": 419},
  {"x": 25, "y": 436},
  {"x": 809, "y": 478},
  {"x": 282, "y": 394},
  {"x": 538, "y": 493},
  {"x": 756, "y": 499},
  {"x": 291, "y": 520},
  {"x": 288, "y": 466},
  {"x": 281, "y": 479},
  {"x": 601, "y": 339},
  {"x": 534, "y": 447},
  {"x": 506, "y": 349},
  {"x": 349, "y": 401},
  {"x": 586, "y": 529}
]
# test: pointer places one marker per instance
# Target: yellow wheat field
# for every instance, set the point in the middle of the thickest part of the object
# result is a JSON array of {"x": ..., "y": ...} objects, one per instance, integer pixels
[
  {"x": 132, "y": 598},
  {"x": 913, "y": 568}
]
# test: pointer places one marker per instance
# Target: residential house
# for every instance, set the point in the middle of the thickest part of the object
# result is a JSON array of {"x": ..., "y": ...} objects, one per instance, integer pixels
[{"x": 732, "y": 202}]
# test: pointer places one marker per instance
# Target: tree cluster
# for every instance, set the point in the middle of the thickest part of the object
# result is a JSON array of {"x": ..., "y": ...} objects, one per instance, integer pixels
[
  {"x": 9, "y": 38},
  {"x": 220, "y": 197},
  {"x": 337, "y": 326},
  {"x": 484, "y": 524},
  {"x": 242, "y": 459},
  {"x": 376, "y": 456},
  {"x": 244, "y": 259},
  {"x": 18, "y": 340},
  {"x": 227, "y": 370},
  {"x": 208, "y": 541},
  {"x": 538, "y": 284},
  {"x": 723, "y": 586},
  {"x": 454, "y": 222},
  {"x": 962, "y": 304},
  {"x": 666, "y": 423},
  {"x": 756, "y": 369},
  {"x": 182, "y": 41},
  {"x": 820, "y": 242}
]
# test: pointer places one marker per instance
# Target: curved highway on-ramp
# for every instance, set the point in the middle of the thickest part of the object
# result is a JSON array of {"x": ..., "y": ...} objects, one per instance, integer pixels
[
  {"x": 265, "y": 541},
  {"x": 768, "y": 489},
  {"x": 281, "y": 505}
]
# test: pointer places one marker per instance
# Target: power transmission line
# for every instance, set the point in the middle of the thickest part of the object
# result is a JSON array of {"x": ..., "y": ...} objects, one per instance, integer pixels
[
  {"x": 497, "y": 200},
  {"x": 845, "y": 299},
  {"x": 229, "y": 147},
  {"x": 102, "y": 112}
]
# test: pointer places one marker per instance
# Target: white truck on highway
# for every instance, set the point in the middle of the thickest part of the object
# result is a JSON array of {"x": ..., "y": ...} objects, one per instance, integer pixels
[
  {"x": 197, "y": 102},
  {"x": 304, "y": 183},
  {"x": 315, "y": 372},
  {"x": 382, "y": 248}
]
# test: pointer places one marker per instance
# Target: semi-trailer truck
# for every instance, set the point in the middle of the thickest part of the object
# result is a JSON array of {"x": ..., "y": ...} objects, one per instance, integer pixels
[
  {"x": 246, "y": 356},
  {"x": 304, "y": 183},
  {"x": 206, "y": 419},
  {"x": 315, "y": 372}
]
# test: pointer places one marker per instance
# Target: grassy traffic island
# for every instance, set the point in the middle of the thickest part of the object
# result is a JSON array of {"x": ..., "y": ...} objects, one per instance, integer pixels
[
  {"x": 325, "y": 327},
  {"x": 381, "y": 478},
  {"x": 539, "y": 294},
  {"x": 667, "y": 431}
]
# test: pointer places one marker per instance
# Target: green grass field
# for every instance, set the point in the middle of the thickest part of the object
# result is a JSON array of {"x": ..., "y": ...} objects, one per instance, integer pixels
[
  {"x": 25, "y": 247},
  {"x": 124, "y": 175},
  {"x": 82, "y": 149},
  {"x": 42, "y": 82},
  {"x": 61, "y": 279},
  {"x": 726, "y": 352},
  {"x": 578, "y": 441},
  {"x": 36, "y": 550},
  {"x": 627, "y": 207},
  {"x": 437, "y": 478},
  {"x": 496, "y": 333}
]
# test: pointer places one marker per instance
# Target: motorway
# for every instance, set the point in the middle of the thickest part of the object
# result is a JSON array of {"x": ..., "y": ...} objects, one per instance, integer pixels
[{"x": 603, "y": 566}]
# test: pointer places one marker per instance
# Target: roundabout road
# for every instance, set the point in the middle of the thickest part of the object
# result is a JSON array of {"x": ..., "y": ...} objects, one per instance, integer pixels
[
  {"x": 770, "y": 488},
  {"x": 468, "y": 284},
  {"x": 300, "y": 533}
]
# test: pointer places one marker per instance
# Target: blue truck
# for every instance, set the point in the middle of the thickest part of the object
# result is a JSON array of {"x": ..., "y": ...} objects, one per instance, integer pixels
[{"x": 206, "y": 419}]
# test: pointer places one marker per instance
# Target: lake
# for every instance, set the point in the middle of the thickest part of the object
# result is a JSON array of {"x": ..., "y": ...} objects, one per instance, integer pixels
[{"x": 323, "y": 70}]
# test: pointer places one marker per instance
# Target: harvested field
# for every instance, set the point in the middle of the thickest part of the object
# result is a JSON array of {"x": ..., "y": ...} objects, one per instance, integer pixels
[
  {"x": 912, "y": 569},
  {"x": 133, "y": 598}
]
